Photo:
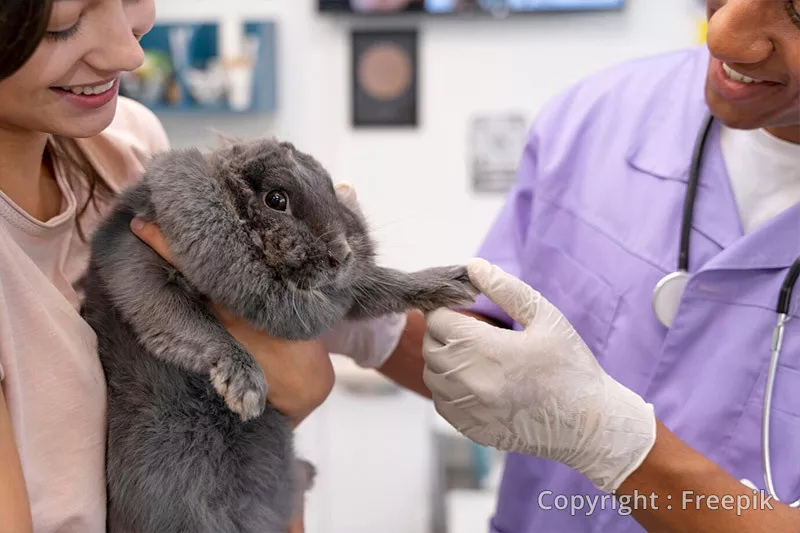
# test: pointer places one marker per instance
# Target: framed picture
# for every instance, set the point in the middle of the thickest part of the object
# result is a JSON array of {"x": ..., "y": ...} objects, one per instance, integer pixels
[
  {"x": 500, "y": 8},
  {"x": 183, "y": 71},
  {"x": 384, "y": 78},
  {"x": 496, "y": 142}
]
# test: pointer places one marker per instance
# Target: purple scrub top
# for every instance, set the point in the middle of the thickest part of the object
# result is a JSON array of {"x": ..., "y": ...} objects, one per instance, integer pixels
[{"x": 593, "y": 223}]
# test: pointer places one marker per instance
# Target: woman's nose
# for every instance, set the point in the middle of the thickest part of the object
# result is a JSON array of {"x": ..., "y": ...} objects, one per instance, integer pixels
[
  {"x": 123, "y": 54},
  {"x": 118, "y": 48},
  {"x": 740, "y": 31}
]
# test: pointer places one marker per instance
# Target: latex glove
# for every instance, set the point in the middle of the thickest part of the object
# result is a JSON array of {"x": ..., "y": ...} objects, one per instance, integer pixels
[
  {"x": 539, "y": 391},
  {"x": 369, "y": 343}
]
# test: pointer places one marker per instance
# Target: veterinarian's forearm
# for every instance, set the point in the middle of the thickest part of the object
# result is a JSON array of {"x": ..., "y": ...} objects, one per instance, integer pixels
[
  {"x": 677, "y": 490},
  {"x": 15, "y": 513},
  {"x": 405, "y": 366}
]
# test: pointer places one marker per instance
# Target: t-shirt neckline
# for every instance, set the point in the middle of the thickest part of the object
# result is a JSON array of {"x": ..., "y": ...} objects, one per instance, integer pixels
[{"x": 22, "y": 220}]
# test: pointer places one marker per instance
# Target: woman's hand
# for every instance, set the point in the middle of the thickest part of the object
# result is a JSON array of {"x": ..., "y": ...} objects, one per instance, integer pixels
[
  {"x": 300, "y": 374},
  {"x": 539, "y": 391}
]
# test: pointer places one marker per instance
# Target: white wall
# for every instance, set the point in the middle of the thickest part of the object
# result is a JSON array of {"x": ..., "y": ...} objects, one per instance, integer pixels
[{"x": 413, "y": 185}]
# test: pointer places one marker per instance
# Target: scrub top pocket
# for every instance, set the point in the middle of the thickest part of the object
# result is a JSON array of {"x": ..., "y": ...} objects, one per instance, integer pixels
[
  {"x": 784, "y": 423},
  {"x": 586, "y": 300}
]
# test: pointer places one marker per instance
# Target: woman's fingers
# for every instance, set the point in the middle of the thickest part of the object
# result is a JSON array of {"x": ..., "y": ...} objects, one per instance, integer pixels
[{"x": 151, "y": 236}]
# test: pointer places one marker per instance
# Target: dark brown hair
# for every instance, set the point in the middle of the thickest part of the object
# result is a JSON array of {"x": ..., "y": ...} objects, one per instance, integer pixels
[{"x": 23, "y": 24}]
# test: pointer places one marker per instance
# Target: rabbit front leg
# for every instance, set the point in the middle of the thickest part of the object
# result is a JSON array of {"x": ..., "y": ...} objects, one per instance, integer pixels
[
  {"x": 175, "y": 326},
  {"x": 385, "y": 290}
]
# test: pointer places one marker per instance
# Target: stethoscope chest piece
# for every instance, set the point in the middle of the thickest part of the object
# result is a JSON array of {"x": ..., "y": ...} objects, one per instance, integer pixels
[
  {"x": 668, "y": 291},
  {"x": 667, "y": 296}
]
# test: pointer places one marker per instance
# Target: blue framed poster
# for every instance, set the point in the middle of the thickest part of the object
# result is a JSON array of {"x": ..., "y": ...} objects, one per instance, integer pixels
[{"x": 184, "y": 72}]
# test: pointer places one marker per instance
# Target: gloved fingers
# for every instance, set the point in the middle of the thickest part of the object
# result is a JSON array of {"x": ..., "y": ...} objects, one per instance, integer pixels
[
  {"x": 462, "y": 420},
  {"x": 434, "y": 353},
  {"x": 450, "y": 360},
  {"x": 456, "y": 374},
  {"x": 511, "y": 294},
  {"x": 448, "y": 326},
  {"x": 444, "y": 385},
  {"x": 455, "y": 413}
]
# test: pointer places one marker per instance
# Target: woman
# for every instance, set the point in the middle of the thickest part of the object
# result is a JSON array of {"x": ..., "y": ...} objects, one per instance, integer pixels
[
  {"x": 593, "y": 224},
  {"x": 68, "y": 143}
]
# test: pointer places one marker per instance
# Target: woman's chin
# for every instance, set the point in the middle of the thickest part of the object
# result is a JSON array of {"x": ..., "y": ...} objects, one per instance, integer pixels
[{"x": 86, "y": 125}]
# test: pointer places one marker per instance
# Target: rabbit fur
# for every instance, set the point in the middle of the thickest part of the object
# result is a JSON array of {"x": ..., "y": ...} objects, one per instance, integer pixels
[{"x": 256, "y": 226}]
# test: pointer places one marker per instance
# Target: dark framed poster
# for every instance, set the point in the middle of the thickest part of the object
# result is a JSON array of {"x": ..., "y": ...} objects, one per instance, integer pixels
[{"x": 385, "y": 76}]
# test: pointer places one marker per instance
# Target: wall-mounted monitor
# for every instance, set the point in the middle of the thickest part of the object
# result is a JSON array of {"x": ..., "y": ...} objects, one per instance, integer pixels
[{"x": 455, "y": 7}]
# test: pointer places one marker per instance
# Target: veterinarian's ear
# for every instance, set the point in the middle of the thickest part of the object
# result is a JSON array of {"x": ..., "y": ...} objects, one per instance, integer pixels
[{"x": 346, "y": 194}]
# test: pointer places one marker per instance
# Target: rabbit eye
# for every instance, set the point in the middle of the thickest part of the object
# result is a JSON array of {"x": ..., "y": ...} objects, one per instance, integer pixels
[{"x": 276, "y": 200}]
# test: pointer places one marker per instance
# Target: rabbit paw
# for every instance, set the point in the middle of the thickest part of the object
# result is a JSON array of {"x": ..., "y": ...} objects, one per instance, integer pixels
[
  {"x": 240, "y": 381},
  {"x": 449, "y": 287}
]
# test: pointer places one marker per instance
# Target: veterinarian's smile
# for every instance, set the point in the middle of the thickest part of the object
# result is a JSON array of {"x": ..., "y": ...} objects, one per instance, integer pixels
[{"x": 90, "y": 96}]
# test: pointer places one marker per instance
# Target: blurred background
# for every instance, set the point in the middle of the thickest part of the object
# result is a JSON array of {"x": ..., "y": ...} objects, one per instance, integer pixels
[{"x": 423, "y": 106}]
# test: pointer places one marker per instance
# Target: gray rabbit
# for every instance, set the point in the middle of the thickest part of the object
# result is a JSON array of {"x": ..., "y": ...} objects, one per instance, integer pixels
[{"x": 255, "y": 226}]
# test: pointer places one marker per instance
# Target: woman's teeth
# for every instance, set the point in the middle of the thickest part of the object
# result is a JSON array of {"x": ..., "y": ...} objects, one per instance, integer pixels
[
  {"x": 741, "y": 78},
  {"x": 77, "y": 89}
]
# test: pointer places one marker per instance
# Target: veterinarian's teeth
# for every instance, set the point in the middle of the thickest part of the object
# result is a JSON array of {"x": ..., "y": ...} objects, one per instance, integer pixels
[
  {"x": 100, "y": 89},
  {"x": 735, "y": 76}
]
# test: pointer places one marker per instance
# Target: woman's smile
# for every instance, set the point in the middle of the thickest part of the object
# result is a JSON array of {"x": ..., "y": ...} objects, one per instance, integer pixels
[{"x": 90, "y": 96}]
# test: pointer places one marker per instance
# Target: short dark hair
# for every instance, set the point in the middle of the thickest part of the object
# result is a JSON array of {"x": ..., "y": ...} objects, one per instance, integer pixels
[{"x": 23, "y": 24}]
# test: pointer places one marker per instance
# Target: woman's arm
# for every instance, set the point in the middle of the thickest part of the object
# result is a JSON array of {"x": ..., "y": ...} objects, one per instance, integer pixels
[
  {"x": 677, "y": 490},
  {"x": 15, "y": 512},
  {"x": 300, "y": 374}
]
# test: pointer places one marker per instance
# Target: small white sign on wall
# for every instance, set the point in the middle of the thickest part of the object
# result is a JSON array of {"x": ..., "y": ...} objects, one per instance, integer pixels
[{"x": 496, "y": 142}]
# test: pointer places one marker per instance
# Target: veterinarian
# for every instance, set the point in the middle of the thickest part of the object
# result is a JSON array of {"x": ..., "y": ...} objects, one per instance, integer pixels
[
  {"x": 58, "y": 149},
  {"x": 659, "y": 389}
]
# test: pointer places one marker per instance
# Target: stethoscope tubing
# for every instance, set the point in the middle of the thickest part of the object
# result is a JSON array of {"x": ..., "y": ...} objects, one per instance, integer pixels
[
  {"x": 691, "y": 194},
  {"x": 782, "y": 307}
]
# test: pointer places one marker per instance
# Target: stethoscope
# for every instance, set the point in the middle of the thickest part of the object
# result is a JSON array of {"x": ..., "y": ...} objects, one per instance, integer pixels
[{"x": 669, "y": 289}]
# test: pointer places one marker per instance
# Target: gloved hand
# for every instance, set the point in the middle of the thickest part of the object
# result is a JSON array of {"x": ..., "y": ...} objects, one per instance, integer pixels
[
  {"x": 369, "y": 343},
  {"x": 539, "y": 391}
]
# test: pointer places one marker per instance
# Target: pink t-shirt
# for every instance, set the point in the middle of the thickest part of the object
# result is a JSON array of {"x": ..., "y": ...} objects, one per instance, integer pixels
[{"x": 51, "y": 375}]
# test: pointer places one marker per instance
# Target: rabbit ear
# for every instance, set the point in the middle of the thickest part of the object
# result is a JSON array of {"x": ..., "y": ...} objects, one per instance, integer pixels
[
  {"x": 346, "y": 194},
  {"x": 225, "y": 140}
]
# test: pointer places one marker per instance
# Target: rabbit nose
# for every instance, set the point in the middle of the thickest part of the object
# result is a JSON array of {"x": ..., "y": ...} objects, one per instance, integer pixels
[{"x": 339, "y": 252}]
